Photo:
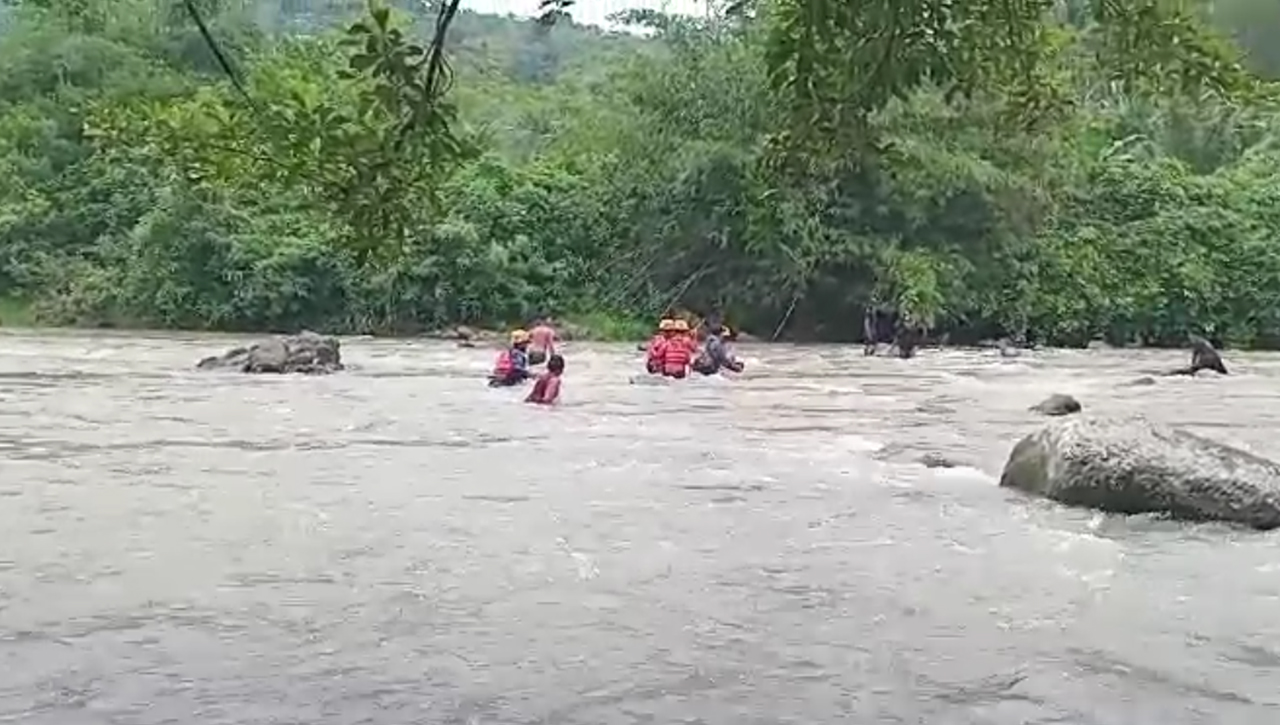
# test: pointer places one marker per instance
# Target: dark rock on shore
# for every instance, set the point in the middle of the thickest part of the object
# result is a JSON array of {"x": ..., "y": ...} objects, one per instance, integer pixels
[
  {"x": 1003, "y": 345},
  {"x": 464, "y": 333},
  {"x": 306, "y": 352},
  {"x": 1057, "y": 404},
  {"x": 1135, "y": 467}
]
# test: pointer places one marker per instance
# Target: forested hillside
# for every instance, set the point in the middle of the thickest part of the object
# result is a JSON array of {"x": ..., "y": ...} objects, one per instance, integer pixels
[{"x": 1036, "y": 168}]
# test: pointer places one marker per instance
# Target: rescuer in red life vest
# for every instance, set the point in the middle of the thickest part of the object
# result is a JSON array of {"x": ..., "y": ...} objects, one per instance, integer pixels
[
  {"x": 677, "y": 353},
  {"x": 653, "y": 357},
  {"x": 512, "y": 366}
]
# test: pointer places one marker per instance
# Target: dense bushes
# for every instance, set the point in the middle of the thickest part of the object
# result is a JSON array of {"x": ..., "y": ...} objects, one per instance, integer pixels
[{"x": 571, "y": 171}]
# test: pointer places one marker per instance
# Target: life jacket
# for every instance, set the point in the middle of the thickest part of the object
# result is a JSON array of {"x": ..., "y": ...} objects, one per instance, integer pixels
[
  {"x": 505, "y": 364},
  {"x": 654, "y": 353},
  {"x": 676, "y": 356}
]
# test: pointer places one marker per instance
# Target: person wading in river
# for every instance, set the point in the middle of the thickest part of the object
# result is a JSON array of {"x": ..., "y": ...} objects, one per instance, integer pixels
[
  {"x": 716, "y": 355},
  {"x": 542, "y": 341},
  {"x": 512, "y": 366},
  {"x": 653, "y": 354},
  {"x": 546, "y": 389},
  {"x": 677, "y": 352}
]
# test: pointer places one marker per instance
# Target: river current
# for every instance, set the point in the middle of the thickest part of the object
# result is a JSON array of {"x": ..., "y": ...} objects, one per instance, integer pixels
[{"x": 399, "y": 544}]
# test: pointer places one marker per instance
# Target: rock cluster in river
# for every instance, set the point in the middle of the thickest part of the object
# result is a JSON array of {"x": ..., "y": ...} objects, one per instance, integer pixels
[
  {"x": 1134, "y": 466},
  {"x": 306, "y": 352}
]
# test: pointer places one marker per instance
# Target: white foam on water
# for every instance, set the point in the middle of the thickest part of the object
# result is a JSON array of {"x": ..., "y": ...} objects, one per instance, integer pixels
[
  {"x": 968, "y": 473},
  {"x": 858, "y": 444}
]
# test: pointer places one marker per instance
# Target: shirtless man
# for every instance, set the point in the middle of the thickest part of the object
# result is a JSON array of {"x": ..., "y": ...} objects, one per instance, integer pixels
[{"x": 542, "y": 342}]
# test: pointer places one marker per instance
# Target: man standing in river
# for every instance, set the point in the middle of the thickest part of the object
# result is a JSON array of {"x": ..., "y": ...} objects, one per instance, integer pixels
[{"x": 542, "y": 341}]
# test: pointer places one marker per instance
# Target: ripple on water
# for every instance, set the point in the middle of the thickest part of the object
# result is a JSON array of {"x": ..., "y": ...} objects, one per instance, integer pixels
[{"x": 402, "y": 544}]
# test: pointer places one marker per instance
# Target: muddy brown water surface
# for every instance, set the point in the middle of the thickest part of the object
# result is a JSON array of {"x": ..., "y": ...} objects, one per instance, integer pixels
[{"x": 400, "y": 544}]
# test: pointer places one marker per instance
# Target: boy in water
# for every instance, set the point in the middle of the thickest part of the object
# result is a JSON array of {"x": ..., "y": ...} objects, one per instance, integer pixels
[
  {"x": 542, "y": 342},
  {"x": 546, "y": 389}
]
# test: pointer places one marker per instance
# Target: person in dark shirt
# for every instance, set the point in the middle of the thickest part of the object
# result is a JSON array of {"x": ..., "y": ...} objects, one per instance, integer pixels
[{"x": 716, "y": 354}]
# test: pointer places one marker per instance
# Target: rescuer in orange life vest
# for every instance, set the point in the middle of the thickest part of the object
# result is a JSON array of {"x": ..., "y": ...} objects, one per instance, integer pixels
[
  {"x": 653, "y": 355},
  {"x": 512, "y": 366},
  {"x": 677, "y": 352}
]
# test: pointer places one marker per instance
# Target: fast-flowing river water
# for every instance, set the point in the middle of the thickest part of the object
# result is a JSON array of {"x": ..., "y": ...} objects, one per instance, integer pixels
[{"x": 399, "y": 544}]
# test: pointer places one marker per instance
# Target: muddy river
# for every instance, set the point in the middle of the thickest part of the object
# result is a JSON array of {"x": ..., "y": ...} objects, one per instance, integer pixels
[{"x": 400, "y": 544}]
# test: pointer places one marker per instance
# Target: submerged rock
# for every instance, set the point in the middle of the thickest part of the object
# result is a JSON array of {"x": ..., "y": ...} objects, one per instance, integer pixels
[
  {"x": 1057, "y": 404},
  {"x": 306, "y": 352},
  {"x": 934, "y": 459},
  {"x": 1007, "y": 349},
  {"x": 1134, "y": 467},
  {"x": 464, "y": 333}
]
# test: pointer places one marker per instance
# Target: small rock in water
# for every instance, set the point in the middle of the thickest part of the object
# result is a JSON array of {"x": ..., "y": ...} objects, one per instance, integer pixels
[
  {"x": 1136, "y": 467},
  {"x": 937, "y": 460},
  {"x": 1057, "y": 404},
  {"x": 1144, "y": 380},
  {"x": 306, "y": 352}
]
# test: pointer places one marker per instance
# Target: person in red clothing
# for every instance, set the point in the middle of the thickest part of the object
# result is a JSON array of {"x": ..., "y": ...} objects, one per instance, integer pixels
[
  {"x": 689, "y": 336},
  {"x": 677, "y": 352},
  {"x": 653, "y": 356},
  {"x": 546, "y": 389}
]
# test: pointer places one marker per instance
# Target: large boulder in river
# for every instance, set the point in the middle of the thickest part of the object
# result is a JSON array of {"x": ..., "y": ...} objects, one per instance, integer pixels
[
  {"x": 306, "y": 352},
  {"x": 1057, "y": 404},
  {"x": 1134, "y": 466}
]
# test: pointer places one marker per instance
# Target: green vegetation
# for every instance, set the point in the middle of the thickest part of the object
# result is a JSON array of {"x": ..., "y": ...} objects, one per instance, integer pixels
[
  {"x": 14, "y": 313},
  {"x": 1056, "y": 169}
]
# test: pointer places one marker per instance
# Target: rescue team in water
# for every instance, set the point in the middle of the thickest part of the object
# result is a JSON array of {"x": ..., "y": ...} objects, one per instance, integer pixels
[{"x": 673, "y": 353}]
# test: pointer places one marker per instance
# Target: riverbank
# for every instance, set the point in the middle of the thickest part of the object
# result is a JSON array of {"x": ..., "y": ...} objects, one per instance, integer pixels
[
  {"x": 582, "y": 327},
  {"x": 592, "y": 327},
  {"x": 15, "y": 313}
]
